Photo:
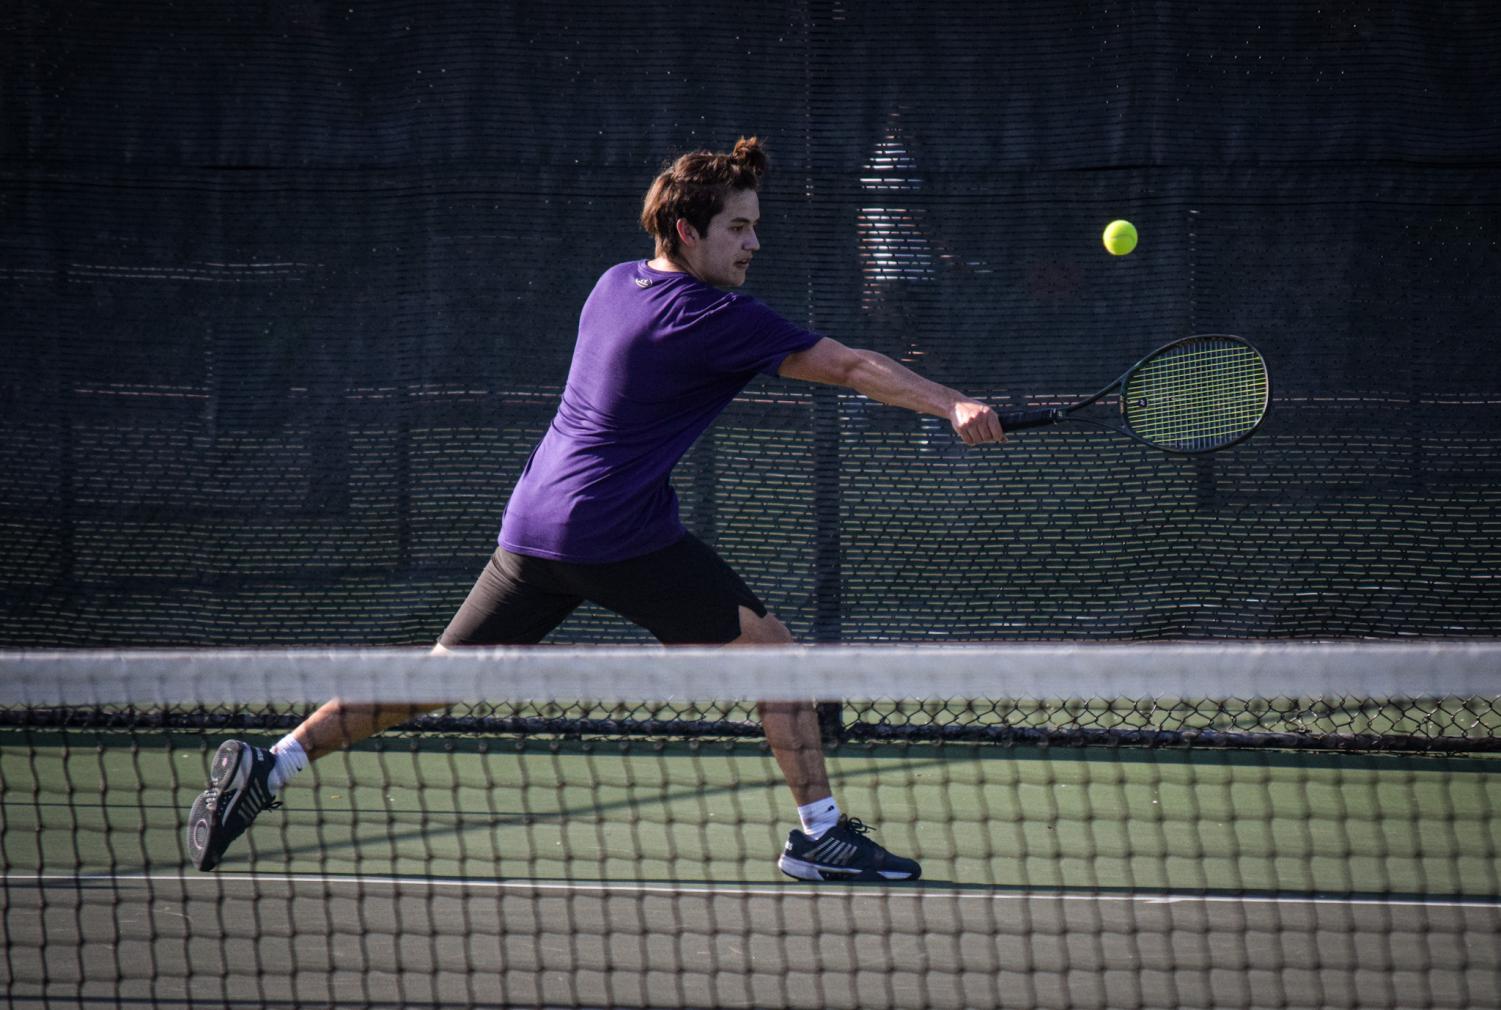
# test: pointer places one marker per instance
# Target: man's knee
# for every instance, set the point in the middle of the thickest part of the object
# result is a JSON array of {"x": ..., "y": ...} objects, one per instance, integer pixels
[{"x": 766, "y": 630}]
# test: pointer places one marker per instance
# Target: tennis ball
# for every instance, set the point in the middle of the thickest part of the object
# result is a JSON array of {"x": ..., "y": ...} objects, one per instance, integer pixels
[{"x": 1120, "y": 237}]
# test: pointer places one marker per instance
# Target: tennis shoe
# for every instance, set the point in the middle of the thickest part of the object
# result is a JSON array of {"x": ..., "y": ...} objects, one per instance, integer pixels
[
  {"x": 843, "y": 853},
  {"x": 237, "y": 791}
]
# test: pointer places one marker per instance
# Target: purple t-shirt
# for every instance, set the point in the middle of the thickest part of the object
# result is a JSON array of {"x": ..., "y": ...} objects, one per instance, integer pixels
[{"x": 659, "y": 356}]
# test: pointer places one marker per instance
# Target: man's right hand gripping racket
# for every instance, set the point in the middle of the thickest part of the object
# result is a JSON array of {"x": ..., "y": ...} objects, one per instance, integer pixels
[{"x": 1193, "y": 395}]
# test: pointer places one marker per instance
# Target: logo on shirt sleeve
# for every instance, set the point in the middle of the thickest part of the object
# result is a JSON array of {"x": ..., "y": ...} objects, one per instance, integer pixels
[{"x": 643, "y": 282}]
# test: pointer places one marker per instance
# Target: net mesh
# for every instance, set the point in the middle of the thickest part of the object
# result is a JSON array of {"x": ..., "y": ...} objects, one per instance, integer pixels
[{"x": 545, "y": 854}]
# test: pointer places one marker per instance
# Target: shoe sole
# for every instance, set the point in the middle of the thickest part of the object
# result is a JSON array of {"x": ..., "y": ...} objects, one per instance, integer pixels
[
  {"x": 202, "y": 832},
  {"x": 200, "y": 828},
  {"x": 227, "y": 765},
  {"x": 801, "y": 869}
]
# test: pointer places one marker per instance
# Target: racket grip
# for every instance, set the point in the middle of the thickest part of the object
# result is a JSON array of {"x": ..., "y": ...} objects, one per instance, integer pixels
[{"x": 1011, "y": 420}]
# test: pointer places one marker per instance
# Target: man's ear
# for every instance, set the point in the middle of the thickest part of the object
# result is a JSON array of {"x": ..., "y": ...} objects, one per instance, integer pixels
[{"x": 687, "y": 234}]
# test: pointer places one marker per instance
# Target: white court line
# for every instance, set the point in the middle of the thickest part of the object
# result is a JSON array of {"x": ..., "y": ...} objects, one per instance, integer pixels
[{"x": 917, "y": 892}]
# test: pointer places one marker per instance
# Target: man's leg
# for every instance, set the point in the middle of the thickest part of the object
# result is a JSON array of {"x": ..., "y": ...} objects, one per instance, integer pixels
[
  {"x": 338, "y": 725},
  {"x": 512, "y": 603},
  {"x": 245, "y": 779},
  {"x": 792, "y": 729},
  {"x": 515, "y": 601},
  {"x": 686, "y": 594},
  {"x": 830, "y": 846}
]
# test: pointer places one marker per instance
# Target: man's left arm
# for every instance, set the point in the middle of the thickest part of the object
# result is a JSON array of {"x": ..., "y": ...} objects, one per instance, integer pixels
[{"x": 875, "y": 375}]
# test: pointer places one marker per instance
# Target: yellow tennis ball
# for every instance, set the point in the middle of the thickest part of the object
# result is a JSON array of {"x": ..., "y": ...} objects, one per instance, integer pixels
[{"x": 1120, "y": 237}]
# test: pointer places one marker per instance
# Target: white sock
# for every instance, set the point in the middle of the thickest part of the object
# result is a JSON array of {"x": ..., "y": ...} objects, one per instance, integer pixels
[
  {"x": 290, "y": 759},
  {"x": 818, "y": 817}
]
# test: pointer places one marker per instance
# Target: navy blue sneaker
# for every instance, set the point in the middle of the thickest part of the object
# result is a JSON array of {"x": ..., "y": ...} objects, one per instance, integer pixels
[
  {"x": 237, "y": 791},
  {"x": 843, "y": 854}
]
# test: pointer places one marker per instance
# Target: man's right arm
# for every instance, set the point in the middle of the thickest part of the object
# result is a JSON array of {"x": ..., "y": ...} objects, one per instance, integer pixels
[{"x": 878, "y": 377}]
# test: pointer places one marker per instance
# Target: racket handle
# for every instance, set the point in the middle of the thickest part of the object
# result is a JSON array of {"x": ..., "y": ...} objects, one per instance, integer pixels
[{"x": 1011, "y": 420}]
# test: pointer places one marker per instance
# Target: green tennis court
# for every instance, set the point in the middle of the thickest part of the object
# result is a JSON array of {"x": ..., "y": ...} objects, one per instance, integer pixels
[{"x": 1155, "y": 820}]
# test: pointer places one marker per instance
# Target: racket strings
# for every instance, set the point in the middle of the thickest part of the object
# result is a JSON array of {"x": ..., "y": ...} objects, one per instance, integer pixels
[
  {"x": 1197, "y": 395},
  {"x": 1194, "y": 416}
]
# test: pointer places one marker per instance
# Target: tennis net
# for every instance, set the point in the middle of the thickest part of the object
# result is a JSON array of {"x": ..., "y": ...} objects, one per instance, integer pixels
[{"x": 1099, "y": 826}]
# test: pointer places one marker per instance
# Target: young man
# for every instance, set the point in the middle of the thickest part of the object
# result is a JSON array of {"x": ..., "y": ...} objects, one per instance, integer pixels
[{"x": 664, "y": 345}]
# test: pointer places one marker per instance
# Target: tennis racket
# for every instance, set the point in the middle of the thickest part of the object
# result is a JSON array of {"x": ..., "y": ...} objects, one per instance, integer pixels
[{"x": 1193, "y": 395}]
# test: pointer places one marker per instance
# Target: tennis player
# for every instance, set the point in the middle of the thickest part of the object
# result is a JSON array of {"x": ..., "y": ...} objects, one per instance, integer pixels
[{"x": 664, "y": 345}]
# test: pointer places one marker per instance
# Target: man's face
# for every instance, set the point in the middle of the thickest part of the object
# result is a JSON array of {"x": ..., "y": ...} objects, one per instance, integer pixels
[{"x": 722, "y": 255}]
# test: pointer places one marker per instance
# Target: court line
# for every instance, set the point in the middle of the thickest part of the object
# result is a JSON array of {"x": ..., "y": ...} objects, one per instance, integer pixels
[{"x": 917, "y": 892}]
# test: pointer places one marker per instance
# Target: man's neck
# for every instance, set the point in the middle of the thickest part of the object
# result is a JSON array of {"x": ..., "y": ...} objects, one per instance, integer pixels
[{"x": 670, "y": 266}]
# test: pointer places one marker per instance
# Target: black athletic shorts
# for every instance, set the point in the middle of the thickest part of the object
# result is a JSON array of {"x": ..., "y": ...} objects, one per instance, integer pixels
[{"x": 684, "y": 595}]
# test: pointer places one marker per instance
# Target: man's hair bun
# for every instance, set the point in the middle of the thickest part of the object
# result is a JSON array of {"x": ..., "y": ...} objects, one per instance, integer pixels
[{"x": 750, "y": 153}]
